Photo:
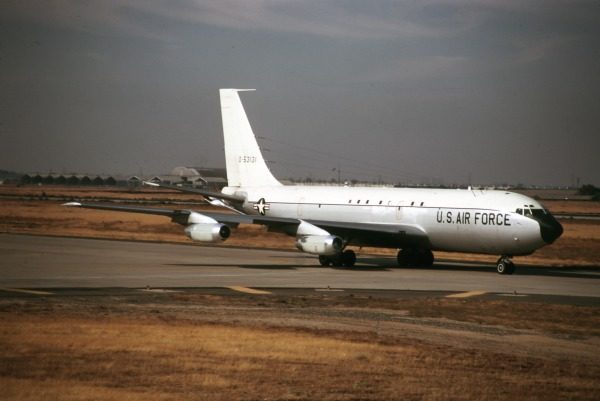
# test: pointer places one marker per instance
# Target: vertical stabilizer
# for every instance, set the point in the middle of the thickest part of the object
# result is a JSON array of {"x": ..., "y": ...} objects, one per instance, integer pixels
[{"x": 244, "y": 161}]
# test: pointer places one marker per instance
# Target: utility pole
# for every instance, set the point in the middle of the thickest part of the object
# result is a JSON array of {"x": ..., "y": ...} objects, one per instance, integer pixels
[{"x": 339, "y": 173}]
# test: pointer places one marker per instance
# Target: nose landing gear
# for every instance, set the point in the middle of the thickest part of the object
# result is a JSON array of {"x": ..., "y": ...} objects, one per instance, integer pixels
[{"x": 505, "y": 265}]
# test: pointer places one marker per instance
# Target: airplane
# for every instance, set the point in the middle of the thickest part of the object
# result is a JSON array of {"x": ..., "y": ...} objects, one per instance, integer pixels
[{"x": 325, "y": 220}]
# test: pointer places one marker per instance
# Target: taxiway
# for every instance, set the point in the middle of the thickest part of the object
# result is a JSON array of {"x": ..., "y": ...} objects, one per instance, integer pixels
[{"x": 53, "y": 262}]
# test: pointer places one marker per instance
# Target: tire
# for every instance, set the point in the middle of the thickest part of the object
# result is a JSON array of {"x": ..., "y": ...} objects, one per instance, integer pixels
[
  {"x": 348, "y": 258},
  {"x": 501, "y": 267},
  {"x": 406, "y": 257},
  {"x": 324, "y": 261},
  {"x": 511, "y": 268},
  {"x": 505, "y": 266},
  {"x": 415, "y": 258},
  {"x": 336, "y": 261},
  {"x": 426, "y": 258}
]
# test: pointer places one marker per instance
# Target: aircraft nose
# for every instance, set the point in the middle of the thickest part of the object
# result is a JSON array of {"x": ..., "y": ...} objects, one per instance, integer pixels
[{"x": 550, "y": 229}]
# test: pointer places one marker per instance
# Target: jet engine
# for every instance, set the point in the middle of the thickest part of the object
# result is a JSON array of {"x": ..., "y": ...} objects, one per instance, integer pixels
[
  {"x": 208, "y": 232},
  {"x": 320, "y": 244}
]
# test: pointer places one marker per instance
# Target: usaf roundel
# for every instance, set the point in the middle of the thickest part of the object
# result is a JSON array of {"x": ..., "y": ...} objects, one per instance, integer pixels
[{"x": 261, "y": 206}]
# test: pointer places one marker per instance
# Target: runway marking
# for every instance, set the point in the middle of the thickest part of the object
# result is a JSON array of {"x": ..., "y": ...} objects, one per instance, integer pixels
[
  {"x": 158, "y": 290},
  {"x": 248, "y": 290},
  {"x": 466, "y": 294},
  {"x": 25, "y": 291}
]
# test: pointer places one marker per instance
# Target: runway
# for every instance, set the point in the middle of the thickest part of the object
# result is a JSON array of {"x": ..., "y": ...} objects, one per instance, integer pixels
[{"x": 37, "y": 262}]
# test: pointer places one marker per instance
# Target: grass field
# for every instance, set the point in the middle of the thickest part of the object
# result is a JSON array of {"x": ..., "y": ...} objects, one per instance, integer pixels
[{"x": 197, "y": 347}]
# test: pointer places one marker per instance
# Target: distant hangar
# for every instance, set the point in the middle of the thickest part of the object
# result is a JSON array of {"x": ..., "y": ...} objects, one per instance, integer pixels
[{"x": 198, "y": 177}]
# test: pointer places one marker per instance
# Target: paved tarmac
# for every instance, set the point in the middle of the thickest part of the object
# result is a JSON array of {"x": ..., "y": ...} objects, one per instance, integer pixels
[{"x": 51, "y": 262}]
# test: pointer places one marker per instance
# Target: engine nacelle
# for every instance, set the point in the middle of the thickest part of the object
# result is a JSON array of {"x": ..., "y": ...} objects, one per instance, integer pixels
[
  {"x": 208, "y": 232},
  {"x": 320, "y": 244}
]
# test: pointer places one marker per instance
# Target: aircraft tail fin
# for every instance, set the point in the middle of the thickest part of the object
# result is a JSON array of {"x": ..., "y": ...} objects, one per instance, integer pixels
[{"x": 244, "y": 160}]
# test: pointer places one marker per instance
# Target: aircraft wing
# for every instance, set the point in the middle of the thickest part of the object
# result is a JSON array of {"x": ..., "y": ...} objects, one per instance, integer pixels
[
  {"x": 198, "y": 191},
  {"x": 181, "y": 215},
  {"x": 129, "y": 209},
  {"x": 364, "y": 234}
]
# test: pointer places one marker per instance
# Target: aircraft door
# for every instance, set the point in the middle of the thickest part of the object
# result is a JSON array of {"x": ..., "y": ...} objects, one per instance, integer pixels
[
  {"x": 399, "y": 213},
  {"x": 301, "y": 207}
]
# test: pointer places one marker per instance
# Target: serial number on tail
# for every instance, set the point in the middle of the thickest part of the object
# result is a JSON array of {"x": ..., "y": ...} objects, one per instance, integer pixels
[
  {"x": 474, "y": 218},
  {"x": 246, "y": 159}
]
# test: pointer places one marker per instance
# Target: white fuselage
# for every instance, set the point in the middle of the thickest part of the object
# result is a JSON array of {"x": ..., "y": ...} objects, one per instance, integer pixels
[{"x": 454, "y": 220}]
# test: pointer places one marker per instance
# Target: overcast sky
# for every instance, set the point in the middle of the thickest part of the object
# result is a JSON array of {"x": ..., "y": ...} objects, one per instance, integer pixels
[{"x": 410, "y": 91}]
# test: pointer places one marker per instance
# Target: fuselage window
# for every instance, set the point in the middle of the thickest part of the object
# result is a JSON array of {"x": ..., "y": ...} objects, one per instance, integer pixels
[
  {"x": 380, "y": 202},
  {"x": 358, "y": 201},
  {"x": 350, "y": 201},
  {"x": 367, "y": 202},
  {"x": 412, "y": 203},
  {"x": 422, "y": 203}
]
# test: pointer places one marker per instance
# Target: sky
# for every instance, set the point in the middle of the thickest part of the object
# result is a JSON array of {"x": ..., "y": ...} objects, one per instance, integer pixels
[{"x": 429, "y": 91}]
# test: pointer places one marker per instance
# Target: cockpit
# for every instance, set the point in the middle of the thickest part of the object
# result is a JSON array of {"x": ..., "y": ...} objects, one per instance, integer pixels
[
  {"x": 532, "y": 211},
  {"x": 550, "y": 228}
]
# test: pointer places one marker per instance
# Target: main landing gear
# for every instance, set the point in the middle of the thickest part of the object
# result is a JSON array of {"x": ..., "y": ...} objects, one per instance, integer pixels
[
  {"x": 505, "y": 265},
  {"x": 346, "y": 258},
  {"x": 415, "y": 257}
]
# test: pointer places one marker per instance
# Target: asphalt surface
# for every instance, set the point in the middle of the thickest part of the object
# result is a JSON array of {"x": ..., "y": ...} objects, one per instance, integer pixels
[{"x": 37, "y": 262}]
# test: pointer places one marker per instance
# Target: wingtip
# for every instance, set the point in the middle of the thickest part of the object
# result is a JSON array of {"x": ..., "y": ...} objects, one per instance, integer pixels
[{"x": 72, "y": 204}]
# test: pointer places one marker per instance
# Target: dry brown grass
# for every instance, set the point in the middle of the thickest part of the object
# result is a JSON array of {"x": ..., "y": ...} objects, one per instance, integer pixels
[
  {"x": 80, "y": 358},
  {"x": 572, "y": 206}
]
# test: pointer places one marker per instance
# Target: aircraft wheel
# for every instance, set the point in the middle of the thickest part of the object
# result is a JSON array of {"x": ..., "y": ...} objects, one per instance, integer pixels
[
  {"x": 501, "y": 267},
  {"x": 406, "y": 257},
  {"x": 505, "y": 266},
  {"x": 415, "y": 257},
  {"x": 348, "y": 258},
  {"x": 426, "y": 258},
  {"x": 511, "y": 267},
  {"x": 337, "y": 261},
  {"x": 324, "y": 261}
]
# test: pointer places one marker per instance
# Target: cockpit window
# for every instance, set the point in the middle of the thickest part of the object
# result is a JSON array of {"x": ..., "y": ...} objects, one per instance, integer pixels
[
  {"x": 532, "y": 212},
  {"x": 539, "y": 213}
]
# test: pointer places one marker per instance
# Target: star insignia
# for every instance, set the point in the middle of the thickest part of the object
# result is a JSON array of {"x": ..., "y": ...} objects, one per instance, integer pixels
[{"x": 261, "y": 206}]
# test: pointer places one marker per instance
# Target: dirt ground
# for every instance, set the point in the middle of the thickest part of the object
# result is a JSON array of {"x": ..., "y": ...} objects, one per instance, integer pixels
[
  {"x": 38, "y": 210},
  {"x": 196, "y": 346}
]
